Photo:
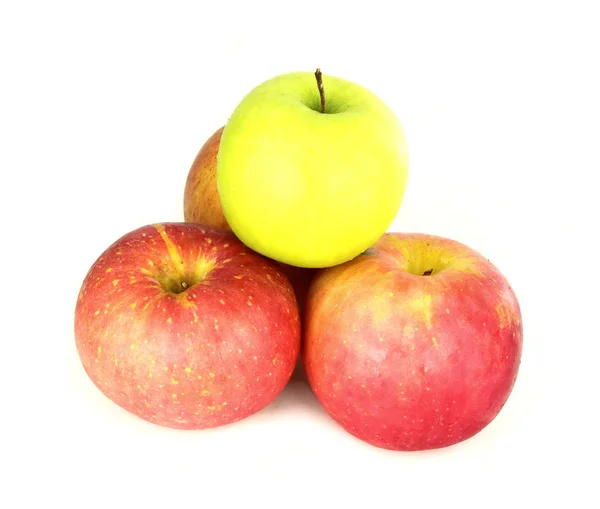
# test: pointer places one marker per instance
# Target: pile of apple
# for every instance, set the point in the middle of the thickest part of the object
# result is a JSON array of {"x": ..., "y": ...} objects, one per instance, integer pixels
[{"x": 409, "y": 341}]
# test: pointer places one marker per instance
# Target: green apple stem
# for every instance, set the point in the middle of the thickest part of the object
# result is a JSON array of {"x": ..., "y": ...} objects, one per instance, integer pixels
[{"x": 319, "y": 77}]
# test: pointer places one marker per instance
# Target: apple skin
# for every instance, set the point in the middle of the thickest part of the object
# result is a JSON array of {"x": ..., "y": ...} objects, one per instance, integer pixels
[
  {"x": 306, "y": 188},
  {"x": 407, "y": 361},
  {"x": 203, "y": 206},
  {"x": 201, "y": 203},
  {"x": 300, "y": 279},
  {"x": 193, "y": 358}
]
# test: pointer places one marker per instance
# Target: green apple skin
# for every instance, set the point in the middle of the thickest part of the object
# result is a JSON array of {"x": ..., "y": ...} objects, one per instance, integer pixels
[{"x": 307, "y": 188}]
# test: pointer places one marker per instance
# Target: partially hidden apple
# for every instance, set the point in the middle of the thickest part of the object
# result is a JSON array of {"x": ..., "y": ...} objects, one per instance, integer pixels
[
  {"x": 201, "y": 203},
  {"x": 203, "y": 206},
  {"x": 184, "y": 326},
  {"x": 312, "y": 169},
  {"x": 413, "y": 345}
]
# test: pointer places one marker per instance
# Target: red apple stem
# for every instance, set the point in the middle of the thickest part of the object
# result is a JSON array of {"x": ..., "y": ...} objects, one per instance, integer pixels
[
  {"x": 319, "y": 77},
  {"x": 428, "y": 272},
  {"x": 184, "y": 285}
]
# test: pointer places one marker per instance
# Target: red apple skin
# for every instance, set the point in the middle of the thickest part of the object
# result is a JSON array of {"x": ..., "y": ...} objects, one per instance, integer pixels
[
  {"x": 202, "y": 205},
  {"x": 407, "y": 361},
  {"x": 212, "y": 354}
]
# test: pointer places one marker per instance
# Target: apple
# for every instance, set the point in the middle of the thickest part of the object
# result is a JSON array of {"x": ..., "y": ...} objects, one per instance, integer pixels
[
  {"x": 311, "y": 171},
  {"x": 202, "y": 205},
  {"x": 184, "y": 326},
  {"x": 414, "y": 344}
]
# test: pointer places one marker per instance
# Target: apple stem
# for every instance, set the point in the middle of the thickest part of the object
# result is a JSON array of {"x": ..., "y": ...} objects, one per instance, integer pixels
[
  {"x": 428, "y": 272},
  {"x": 184, "y": 285},
  {"x": 319, "y": 77}
]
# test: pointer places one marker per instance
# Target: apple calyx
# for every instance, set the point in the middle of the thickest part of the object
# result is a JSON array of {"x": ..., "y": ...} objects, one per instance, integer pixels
[
  {"x": 174, "y": 285},
  {"x": 177, "y": 281},
  {"x": 319, "y": 78},
  {"x": 426, "y": 264}
]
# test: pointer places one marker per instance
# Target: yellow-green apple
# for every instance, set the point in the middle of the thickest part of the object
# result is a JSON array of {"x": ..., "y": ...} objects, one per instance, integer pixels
[
  {"x": 311, "y": 171},
  {"x": 201, "y": 202},
  {"x": 186, "y": 327},
  {"x": 414, "y": 344},
  {"x": 203, "y": 206}
]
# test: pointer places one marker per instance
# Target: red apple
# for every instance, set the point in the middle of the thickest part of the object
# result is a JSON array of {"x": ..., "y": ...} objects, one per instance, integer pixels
[
  {"x": 186, "y": 327},
  {"x": 414, "y": 344},
  {"x": 201, "y": 204}
]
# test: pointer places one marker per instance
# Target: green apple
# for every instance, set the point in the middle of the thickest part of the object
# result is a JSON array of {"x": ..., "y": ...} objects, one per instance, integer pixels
[{"x": 311, "y": 170}]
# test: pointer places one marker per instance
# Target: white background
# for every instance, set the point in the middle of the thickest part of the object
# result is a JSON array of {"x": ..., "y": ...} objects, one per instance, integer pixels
[{"x": 104, "y": 105}]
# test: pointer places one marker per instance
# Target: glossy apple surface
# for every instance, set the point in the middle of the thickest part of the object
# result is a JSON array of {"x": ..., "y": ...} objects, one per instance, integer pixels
[
  {"x": 186, "y": 327},
  {"x": 415, "y": 344},
  {"x": 307, "y": 188}
]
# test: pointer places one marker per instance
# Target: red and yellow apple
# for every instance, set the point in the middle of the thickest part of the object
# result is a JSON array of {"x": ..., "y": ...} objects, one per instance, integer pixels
[
  {"x": 415, "y": 344},
  {"x": 201, "y": 204},
  {"x": 184, "y": 326}
]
